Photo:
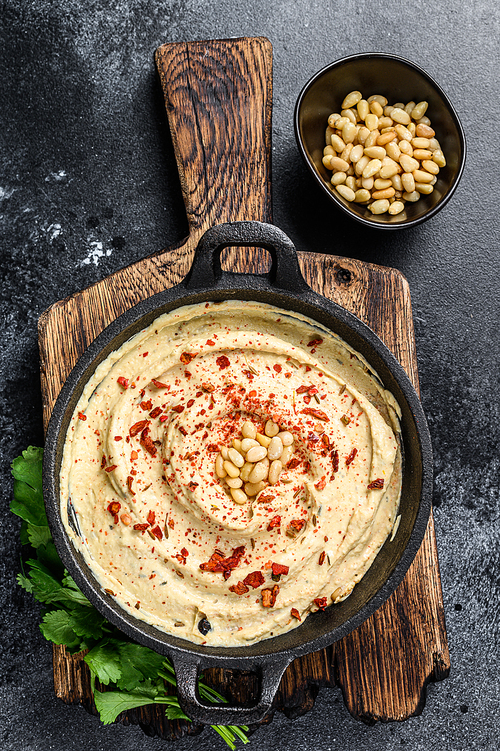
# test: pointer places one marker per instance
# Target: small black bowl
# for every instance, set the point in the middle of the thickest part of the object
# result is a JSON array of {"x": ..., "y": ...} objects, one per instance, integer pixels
[{"x": 399, "y": 80}]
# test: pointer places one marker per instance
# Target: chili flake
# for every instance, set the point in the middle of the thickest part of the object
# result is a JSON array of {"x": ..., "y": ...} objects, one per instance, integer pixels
[
  {"x": 275, "y": 522},
  {"x": 223, "y": 362},
  {"x": 375, "y": 484},
  {"x": 81, "y": 416},
  {"x": 317, "y": 413},
  {"x": 138, "y": 427},
  {"x": 158, "y": 384},
  {"x": 239, "y": 589},
  {"x": 351, "y": 456},
  {"x": 295, "y": 614},
  {"x": 114, "y": 508},
  {"x": 269, "y": 596},
  {"x": 123, "y": 382},
  {"x": 320, "y": 602},
  {"x": 254, "y": 580},
  {"x": 186, "y": 357}
]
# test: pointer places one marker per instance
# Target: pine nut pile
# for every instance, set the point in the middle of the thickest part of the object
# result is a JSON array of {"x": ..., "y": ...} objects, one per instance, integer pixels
[
  {"x": 254, "y": 461},
  {"x": 382, "y": 155}
]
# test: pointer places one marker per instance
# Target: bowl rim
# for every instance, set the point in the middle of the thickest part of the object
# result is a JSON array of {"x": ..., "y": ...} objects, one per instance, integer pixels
[{"x": 367, "y": 222}]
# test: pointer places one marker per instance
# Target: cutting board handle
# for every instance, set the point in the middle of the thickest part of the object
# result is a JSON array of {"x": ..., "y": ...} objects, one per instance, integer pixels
[{"x": 218, "y": 97}]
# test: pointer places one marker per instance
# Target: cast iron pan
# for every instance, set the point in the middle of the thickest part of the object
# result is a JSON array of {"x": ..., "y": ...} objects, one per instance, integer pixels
[{"x": 285, "y": 288}]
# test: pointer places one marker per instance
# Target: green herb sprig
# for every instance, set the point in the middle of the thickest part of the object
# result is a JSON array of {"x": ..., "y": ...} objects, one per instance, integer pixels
[{"x": 135, "y": 675}]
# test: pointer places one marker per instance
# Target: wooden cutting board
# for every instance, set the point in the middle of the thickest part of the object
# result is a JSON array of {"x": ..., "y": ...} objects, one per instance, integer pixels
[{"x": 218, "y": 101}]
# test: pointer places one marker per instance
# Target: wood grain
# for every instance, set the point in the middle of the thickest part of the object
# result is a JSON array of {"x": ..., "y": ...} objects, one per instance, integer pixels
[{"x": 218, "y": 97}]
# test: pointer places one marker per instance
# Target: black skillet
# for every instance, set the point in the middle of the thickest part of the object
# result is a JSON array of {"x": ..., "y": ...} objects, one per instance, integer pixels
[{"x": 283, "y": 287}]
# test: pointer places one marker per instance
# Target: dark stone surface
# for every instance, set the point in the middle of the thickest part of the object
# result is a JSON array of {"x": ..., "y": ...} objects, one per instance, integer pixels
[{"x": 88, "y": 184}]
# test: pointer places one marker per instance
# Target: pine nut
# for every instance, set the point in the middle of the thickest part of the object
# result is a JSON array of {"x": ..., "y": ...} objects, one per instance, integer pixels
[
  {"x": 237, "y": 445},
  {"x": 333, "y": 119},
  {"x": 385, "y": 122},
  {"x": 224, "y": 453},
  {"x": 396, "y": 182},
  {"x": 275, "y": 471},
  {"x": 351, "y": 99},
  {"x": 337, "y": 163},
  {"x": 260, "y": 471},
  {"x": 341, "y": 122},
  {"x": 346, "y": 154},
  {"x": 419, "y": 110},
  {"x": 434, "y": 144},
  {"x": 409, "y": 108},
  {"x": 264, "y": 440},
  {"x": 406, "y": 148},
  {"x": 239, "y": 496},
  {"x": 408, "y": 182},
  {"x": 424, "y": 188},
  {"x": 380, "y": 184},
  {"x": 412, "y": 197},
  {"x": 379, "y": 207},
  {"x": 377, "y": 98},
  {"x": 328, "y": 134},
  {"x": 403, "y": 132},
  {"x": 362, "y": 195},
  {"x": 345, "y": 192},
  {"x": 337, "y": 143},
  {"x": 338, "y": 178},
  {"x": 328, "y": 151},
  {"x": 363, "y": 108},
  {"x": 363, "y": 134},
  {"x": 376, "y": 108},
  {"x": 219, "y": 467},
  {"x": 425, "y": 131},
  {"x": 438, "y": 157},
  {"x": 420, "y": 176},
  {"x": 245, "y": 471},
  {"x": 249, "y": 430},
  {"x": 286, "y": 455},
  {"x": 351, "y": 182},
  {"x": 400, "y": 116},
  {"x": 396, "y": 208},
  {"x": 372, "y": 138},
  {"x": 275, "y": 448},
  {"x": 356, "y": 153},
  {"x": 430, "y": 166},
  {"x": 386, "y": 137},
  {"x": 247, "y": 444},
  {"x": 235, "y": 457},
  {"x": 271, "y": 428},
  {"x": 231, "y": 469},
  {"x": 327, "y": 161},
  {"x": 375, "y": 152},
  {"x": 399, "y": 105},
  {"x": 389, "y": 168},
  {"x": 420, "y": 143},
  {"x": 286, "y": 438},
  {"x": 255, "y": 454},
  {"x": 367, "y": 183},
  {"x": 371, "y": 122},
  {"x": 234, "y": 482},
  {"x": 387, "y": 193},
  {"x": 393, "y": 151},
  {"x": 421, "y": 154},
  {"x": 412, "y": 128},
  {"x": 372, "y": 168},
  {"x": 387, "y": 110},
  {"x": 350, "y": 115},
  {"x": 408, "y": 163},
  {"x": 254, "y": 488}
]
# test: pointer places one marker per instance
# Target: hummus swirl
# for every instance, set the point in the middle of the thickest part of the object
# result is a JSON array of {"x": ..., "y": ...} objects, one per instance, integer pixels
[{"x": 141, "y": 500}]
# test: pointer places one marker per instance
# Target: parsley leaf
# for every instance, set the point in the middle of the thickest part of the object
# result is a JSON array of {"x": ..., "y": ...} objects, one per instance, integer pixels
[
  {"x": 110, "y": 704},
  {"x": 28, "y": 498},
  {"x": 57, "y": 626}
]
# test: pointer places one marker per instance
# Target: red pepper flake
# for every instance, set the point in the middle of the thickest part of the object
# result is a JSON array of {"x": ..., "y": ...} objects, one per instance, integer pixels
[
  {"x": 293, "y": 463},
  {"x": 123, "y": 382},
  {"x": 141, "y": 527},
  {"x": 239, "y": 589},
  {"x": 111, "y": 467},
  {"x": 178, "y": 408},
  {"x": 151, "y": 517},
  {"x": 163, "y": 418},
  {"x": 208, "y": 388},
  {"x": 130, "y": 480},
  {"x": 158, "y": 384},
  {"x": 375, "y": 484},
  {"x": 134, "y": 455},
  {"x": 182, "y": 430},
  {"x": 171, "y": 523},
  {"x": 307, "y": 399},
  {"x": 296, "y": 524},
  {"x": 218, "y": 563},
  {"x": 279, "y": 569},
  {"x": 322, "y": 558},
  {"x": 335, "y": 461},
  {"x": 138, "y": 427},
  {"x": 277, "y": 368},
  {"x": 302, "y": 389},
  {"x": 295, "y": 614},
  {"x": 223, "y": 362},
  {"x": 81, "y": 416},
  {"x": 212, "y": 448},
  {"x": 156, "y": 412},
  {"x": 210, "y": 343},
  {"x": 254, "y": 580},
  {"x": 146, "y": 405},
  {"x": 156, "y": 531},
  {"x": 313, "y": 390},
  {"x": 118, "y": 438},
  {"x": 103, "y": 461},
  {"x": 351, "y": 456},
  {"x": 317, "y": 413},
  {"x": 275, "y": 522},
  {"x": 148, "y": 444},
  {"x": 186, "y": 357},
  {"x": 321, "y": 485},
  {"x": 315, "y": 342},
  {"x": 190, "y": 403},
  {"x": 265, "y": 498},
  {"x": 269, "y": 596},
  {"x": 320, "y": 602},
  {"x": 192, "y": 485},
  {"x": 184, "y": 552},
  {"x": 114, "y": 508}
]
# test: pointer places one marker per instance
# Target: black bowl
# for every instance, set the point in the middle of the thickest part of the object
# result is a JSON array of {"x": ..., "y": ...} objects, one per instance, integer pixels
[{"x": 398, "y": 80}]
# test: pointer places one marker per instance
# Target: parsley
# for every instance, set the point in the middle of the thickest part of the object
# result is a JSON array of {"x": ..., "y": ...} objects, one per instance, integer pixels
[{"x": 134, "y": 675}]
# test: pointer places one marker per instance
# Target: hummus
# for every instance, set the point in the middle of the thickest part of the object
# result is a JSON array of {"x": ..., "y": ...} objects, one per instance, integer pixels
[{"x": 160, "y": 530}]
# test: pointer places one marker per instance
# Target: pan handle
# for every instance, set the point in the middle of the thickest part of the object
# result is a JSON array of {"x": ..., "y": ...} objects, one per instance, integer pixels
[
  {"x": 206, "y": 269},
  {"x": 187, "y": 668}
]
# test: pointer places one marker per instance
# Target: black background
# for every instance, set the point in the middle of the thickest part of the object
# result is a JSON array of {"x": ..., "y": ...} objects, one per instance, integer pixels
[{"x": 88, "y": 184}]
